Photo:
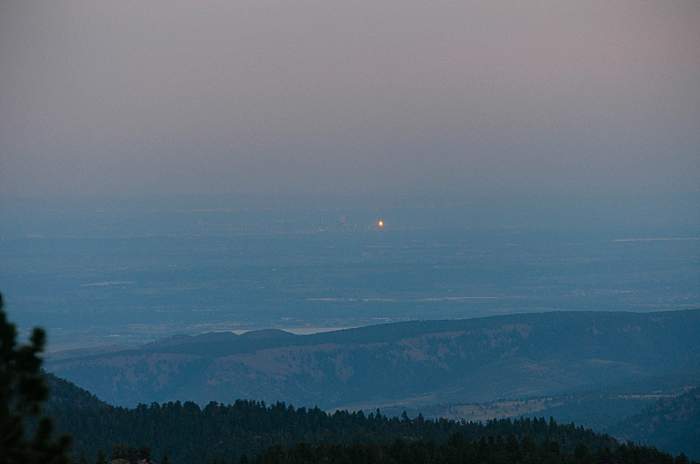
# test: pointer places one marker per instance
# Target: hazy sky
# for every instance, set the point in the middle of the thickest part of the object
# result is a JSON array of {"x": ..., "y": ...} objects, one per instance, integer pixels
[{"x": 348, "y": 97}]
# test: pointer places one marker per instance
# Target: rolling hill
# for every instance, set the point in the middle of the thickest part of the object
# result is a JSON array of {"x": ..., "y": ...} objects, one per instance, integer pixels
[
  {"x": 412, "y": 363},
  {"x": 671, "y": 424}
]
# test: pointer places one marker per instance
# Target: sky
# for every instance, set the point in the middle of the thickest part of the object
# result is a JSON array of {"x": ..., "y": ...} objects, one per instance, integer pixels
[{"x": 375, "y": 97}]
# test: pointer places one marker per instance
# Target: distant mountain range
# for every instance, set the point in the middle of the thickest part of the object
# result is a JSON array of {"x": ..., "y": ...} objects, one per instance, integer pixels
[{"x": 411, "y": 364}]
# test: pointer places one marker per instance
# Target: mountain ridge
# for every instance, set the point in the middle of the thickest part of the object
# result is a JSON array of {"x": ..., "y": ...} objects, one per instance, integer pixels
[
  {"x": 671, "y": 423},
  {"x": 449, "y": 360}
]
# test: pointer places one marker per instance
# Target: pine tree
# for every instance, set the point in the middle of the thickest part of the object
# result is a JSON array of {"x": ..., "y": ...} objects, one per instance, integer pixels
[{"x": 22, "y": 391}]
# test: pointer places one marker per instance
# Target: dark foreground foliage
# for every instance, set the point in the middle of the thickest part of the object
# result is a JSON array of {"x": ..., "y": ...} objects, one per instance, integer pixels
[
  {"x": 457, "y": 450},
  {"x": 250, "y": 431},
  {"x": 25, "y": 435},
  {"x": 189, "y": 433}
]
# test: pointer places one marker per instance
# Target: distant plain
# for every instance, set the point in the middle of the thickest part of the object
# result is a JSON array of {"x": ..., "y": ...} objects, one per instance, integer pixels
[{"x": 125, "y": 274}]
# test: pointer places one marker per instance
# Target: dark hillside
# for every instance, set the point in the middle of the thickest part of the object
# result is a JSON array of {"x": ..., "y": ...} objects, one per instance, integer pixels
[
  {"x": 408, "y": 364},
  {"x": 280, "y": 433},
  {"x": 671, "y": 424}
]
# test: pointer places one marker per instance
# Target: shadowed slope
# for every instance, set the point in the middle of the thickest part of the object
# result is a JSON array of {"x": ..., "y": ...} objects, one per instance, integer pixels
[{"x": 413, "y": 363}]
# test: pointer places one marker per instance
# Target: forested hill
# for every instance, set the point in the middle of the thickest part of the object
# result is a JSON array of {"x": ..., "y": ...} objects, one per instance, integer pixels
[
  {"x": 66, "y": 396},
  {"x": 187, "y": 433},
  {"x": 673, "y": 424},
  {"x": 451, "y": 361}
]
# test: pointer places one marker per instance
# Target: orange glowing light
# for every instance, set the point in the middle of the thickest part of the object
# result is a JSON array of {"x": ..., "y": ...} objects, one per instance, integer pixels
[{"x": 380, "y": 224}]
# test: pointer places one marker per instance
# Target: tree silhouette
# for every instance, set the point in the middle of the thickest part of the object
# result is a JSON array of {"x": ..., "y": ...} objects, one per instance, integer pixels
[{"x": 25, "y": 436}]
